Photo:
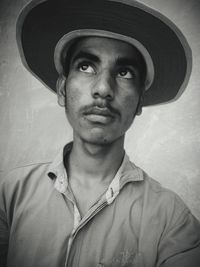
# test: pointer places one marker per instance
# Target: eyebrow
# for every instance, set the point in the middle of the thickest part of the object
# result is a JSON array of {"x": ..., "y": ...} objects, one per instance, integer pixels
[
  {"x": 128, "y": 62},
  {"x": 86, "y": 55}
]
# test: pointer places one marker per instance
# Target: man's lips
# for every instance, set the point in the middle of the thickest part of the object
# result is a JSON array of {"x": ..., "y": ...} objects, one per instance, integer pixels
[
  {"x": 99, "y": 114},
  {"x": 101, "y": 111}
]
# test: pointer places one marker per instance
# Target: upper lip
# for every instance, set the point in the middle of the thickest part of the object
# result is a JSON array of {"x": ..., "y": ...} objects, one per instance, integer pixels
[{"x": 102, "y": 111}]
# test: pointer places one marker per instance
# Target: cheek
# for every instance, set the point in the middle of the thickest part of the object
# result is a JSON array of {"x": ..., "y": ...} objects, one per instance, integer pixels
[
  {"x": 129, "y": 107},
  {"x": 71, "y": 99},
  {"x": 130, "y": 102},
  {"x": 73, "y": 94},
  {"x": 72, "y": 107},
  {"x": 77, "y": 90}
]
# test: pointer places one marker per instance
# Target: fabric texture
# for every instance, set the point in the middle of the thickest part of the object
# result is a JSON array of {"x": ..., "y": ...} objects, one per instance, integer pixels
[{"x": 135, "y": 223}]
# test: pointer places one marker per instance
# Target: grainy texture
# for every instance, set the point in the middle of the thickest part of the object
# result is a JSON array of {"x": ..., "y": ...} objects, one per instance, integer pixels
[{"x": 164, "y": 140}]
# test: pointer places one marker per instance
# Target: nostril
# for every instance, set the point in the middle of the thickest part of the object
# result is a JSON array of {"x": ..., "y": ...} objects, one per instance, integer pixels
[
  {"x": 96, "y": 95},
  {"x": 109, "y": 97}
]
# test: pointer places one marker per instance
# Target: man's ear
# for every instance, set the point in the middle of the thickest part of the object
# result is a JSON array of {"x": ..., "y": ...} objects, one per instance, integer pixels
[
  {"x": 61, "y": 90},
  {"x": 139, "y": 107}
]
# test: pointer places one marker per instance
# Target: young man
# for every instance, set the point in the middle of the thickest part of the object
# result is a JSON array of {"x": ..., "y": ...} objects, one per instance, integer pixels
[{"x": 92, "y": 206}]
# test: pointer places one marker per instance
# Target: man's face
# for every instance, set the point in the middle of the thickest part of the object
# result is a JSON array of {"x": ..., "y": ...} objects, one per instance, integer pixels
[{"x": 103, "y": 88}]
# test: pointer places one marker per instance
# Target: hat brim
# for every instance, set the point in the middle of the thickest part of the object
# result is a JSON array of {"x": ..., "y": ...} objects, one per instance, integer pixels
[{"x": 42, "y": 24}]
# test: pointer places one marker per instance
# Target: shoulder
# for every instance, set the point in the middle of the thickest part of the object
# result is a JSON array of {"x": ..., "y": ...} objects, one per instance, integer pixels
[
  {"x": 147, "y": 187},
  {"x": 22, "y": 173},
  {"x": 163, "y": 195},
  {"x": 165, "y": 208},
  {"x": 21, "y": 187},
  {"x": 165, "y": 204},
  {"x": 17, "y": 181},
  {"x": 157, "y": 201}
]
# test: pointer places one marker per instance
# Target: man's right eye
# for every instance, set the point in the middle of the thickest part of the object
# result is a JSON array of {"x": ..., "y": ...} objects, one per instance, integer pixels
[{"x": 86, "y": 67}]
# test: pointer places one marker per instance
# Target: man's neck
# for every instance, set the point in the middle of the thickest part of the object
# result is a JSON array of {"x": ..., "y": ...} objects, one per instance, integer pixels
[{"x": 94, "y": 162}]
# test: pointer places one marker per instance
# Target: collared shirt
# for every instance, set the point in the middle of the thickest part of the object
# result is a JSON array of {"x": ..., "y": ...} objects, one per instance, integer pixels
[{"x": 135, "y": 223}]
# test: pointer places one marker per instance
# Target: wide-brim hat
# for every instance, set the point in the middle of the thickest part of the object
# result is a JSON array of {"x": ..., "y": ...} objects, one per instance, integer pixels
[{"x": 46, "y": 30}]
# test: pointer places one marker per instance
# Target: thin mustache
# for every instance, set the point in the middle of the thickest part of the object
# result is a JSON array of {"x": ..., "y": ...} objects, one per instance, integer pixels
[{"x": 104, "y": 109}]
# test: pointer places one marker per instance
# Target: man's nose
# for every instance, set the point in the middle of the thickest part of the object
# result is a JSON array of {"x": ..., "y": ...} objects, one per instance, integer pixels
[{"x": 104, "y": 86}]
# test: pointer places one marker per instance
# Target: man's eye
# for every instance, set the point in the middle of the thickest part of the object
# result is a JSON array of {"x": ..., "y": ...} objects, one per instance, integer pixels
[
  {"x": 126, "y": 74},
  {"x": 86, "y": 67}
]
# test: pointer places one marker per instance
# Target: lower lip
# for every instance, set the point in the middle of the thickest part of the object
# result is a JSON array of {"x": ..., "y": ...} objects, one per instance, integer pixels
[{"x": 99, "y": 118}]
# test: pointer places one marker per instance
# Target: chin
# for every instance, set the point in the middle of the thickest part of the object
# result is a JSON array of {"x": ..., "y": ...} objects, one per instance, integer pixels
[{"x": 100, "y": 139}]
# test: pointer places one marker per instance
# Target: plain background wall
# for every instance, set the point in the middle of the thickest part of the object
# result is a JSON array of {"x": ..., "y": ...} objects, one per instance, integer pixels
[{"x": 164, "y": 140}]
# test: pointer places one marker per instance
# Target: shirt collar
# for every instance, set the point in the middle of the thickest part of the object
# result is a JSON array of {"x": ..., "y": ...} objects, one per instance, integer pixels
[
  {"x": 127, "y": 172},
  {"x": 57, "y": 170}
]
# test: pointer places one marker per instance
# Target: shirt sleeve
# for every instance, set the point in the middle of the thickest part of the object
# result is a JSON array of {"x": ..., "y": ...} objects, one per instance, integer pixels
[
  {"x": 4, "y": 230},
  {"x": 180, "y": 245}
]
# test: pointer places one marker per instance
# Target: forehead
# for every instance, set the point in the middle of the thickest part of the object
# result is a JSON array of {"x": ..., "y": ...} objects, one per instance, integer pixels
[{"x": 107, "y": 46}]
